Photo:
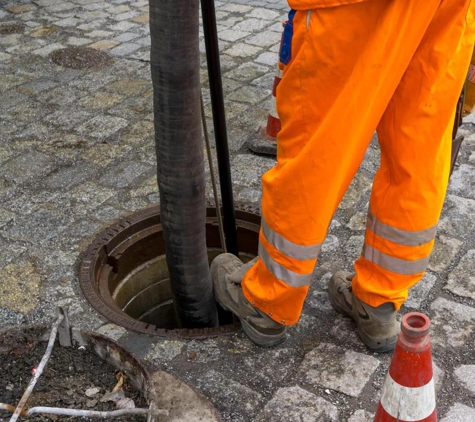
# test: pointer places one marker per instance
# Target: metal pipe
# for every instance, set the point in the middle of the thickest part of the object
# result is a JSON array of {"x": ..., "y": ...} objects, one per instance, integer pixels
[
  {"x": 175, "y": 67},
  {"x": 219, "y": 121}
]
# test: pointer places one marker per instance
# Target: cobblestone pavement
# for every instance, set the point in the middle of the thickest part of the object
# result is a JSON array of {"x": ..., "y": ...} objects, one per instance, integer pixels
[{"x": 77, "y": 153}]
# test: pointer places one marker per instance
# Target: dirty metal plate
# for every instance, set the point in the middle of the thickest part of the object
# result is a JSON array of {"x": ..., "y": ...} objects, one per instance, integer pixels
[{"x": 80, "y": 58}]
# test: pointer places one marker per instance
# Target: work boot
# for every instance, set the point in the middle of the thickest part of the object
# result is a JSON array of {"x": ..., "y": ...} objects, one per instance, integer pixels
[
  {"x": 377, "y": 327},
  {"x": 227, "y": 272}
]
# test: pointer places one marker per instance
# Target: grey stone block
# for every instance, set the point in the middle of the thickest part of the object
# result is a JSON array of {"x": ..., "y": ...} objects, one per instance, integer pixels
[{"x": 333, "y": 367}]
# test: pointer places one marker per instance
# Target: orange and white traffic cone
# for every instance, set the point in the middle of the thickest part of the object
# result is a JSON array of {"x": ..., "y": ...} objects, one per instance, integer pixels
[
  {"x": 265, "y": 140},
  {"x": 409, "y": 392}
]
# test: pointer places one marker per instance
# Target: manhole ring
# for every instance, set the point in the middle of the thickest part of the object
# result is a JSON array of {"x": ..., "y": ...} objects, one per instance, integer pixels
[
  {"x": 123, "y": 272},
  {"x": 80, "y": 58},
  {"x": 11, "y": 29}
]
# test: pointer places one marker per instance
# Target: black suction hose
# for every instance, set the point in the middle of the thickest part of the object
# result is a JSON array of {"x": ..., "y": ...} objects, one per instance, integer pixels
[{"x": 175, "y": 67}]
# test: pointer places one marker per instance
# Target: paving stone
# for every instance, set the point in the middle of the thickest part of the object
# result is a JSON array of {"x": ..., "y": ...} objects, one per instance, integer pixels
[
  {"x": 104, "y": 44},
  {"x": 67, "y": 22},
  {"x": 19, "y": 287},
  {"x": 70, "y": 176},
  {"x": 93, "y": 15},
  {"x": 242, "y": 50},
  {"x": 466, "y": 375},
  {"x": 126, "y": 36},
  {"x": 203, "y": 351},
  {"x": 36, "y": 87},
  {"x": 247, "y": 72},
  {"x": 459, "y": 413},
  {"x": 165, "y": 351},
  {"x": 43, "y": 31},
  {"x": 232, "y": 35},
  {"x": 123, "y": 26},
  {"x": 100, "y": 101},
  {"x": 358, "y": 221},
  {"x": 462, "y": 279},
  {"x": 99, "y": 33},
  {"x": 113, "y": 331},
  {"x": 235, "y": 8},
  {"x": 331, "y": 244},
  {"x": 60, "y": 7},
  {"x": 78, "y": 41},
  {"x": 462, "y": 180},
  {"x": 4, "y": 57},
  {"x": 30, "y": 165},
  {"x": 249, "y": 95},
  {"x": 359, "y": 187},
  {"x": 330, "y": 366},
  {"x": 453, "y": 323},
  {"x": 267, "y": 58},
  {"x": 47, "y": 50},
  {"x": 249, "y": 162},
  {"x": 419, "y": 292},
  {"x": 236, "y": 401},
  {"x": 104, "y": 154},
  {"x": 102, "y": 127},
  {"x": 12, "y": 39},
  {"x": 125, "y": 49},
  {"x": 445, "y": 250},
  {"x": 125, "y": 16},
  {"x": 21, "y": 8},
  {"x": 10, "y": 252},
  {"x": 144, "y": 18},
  {"x": 68, "y": 118},
  {"x": 297, "y": 404},
  {"x": 90, "y": 26},
  {"x": 115, "y": 10},
  {"x": 125, "y": 174},
  {"x": 264, "y": 14},
  {"x": 456, "y": 220},
  {"x": 5, "y": 217},
  {"x": 361, "y": 416}
]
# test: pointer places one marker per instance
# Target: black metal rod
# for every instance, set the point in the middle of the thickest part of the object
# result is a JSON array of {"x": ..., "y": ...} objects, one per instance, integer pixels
[{"x": 219, "y": 122}]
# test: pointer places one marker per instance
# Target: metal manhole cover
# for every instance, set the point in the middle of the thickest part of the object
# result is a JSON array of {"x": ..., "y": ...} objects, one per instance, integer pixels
[
  {"x": 125, "y": 277},
  {"x": 80, "y": 58},
  {"x": 11, "y": 29}
]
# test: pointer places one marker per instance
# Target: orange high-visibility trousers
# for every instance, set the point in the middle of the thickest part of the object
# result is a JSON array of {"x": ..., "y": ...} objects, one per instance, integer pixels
[{"x": 397, "y": 66}]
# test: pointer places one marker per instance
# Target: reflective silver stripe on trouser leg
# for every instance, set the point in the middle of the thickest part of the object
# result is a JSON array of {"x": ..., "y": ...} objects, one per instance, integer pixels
[
  {"x": 401, "y": 237},
  {"x": 291, "y": 249},
  {"x": 281, "y": 273},
  {"x": 395, "y": 265}
]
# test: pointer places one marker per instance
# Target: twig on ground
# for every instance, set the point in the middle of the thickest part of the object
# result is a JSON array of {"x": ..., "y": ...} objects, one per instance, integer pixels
[
  {"x": 39, "y": 370},
  {"x": 84, "y": 413}
]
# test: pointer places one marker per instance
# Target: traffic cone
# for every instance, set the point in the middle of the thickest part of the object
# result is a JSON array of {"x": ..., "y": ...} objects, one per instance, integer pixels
[
  {"x": 409, "y": 392},
  {"x": 264, "y": 141}
]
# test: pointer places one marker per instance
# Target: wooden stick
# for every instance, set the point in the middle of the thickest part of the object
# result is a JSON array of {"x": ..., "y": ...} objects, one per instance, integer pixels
[{"x": 84, "y": 413}]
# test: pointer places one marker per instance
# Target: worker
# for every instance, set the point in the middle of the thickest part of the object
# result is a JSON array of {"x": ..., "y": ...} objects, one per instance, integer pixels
[{"x": 351, "y": 67}]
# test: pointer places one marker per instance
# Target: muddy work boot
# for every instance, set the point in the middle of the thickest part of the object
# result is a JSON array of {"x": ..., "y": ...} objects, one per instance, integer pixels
[
  {"x": 227, "y": 272},
  {"x": 377, "y": 327}
]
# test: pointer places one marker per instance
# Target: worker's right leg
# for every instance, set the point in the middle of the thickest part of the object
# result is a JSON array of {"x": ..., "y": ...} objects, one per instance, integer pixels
[
  {"x": 415, "y": 135},
  {"x": 344, "y": 66}
]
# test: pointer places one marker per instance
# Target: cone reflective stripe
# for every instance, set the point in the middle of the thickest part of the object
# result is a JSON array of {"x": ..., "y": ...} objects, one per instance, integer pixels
[
  {"x": 408, "y": 392},
  {"x": 273, "y": 121},
  {"x": 265, "y": 140}
]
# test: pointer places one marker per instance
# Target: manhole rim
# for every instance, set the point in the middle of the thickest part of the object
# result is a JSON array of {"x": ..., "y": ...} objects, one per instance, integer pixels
[{"x": 92, "y": 295}]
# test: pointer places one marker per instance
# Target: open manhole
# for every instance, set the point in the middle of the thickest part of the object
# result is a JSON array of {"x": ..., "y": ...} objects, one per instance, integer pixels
[
  {"x": 124, "y": 273},
  {"x": 80, "y": 57}
]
